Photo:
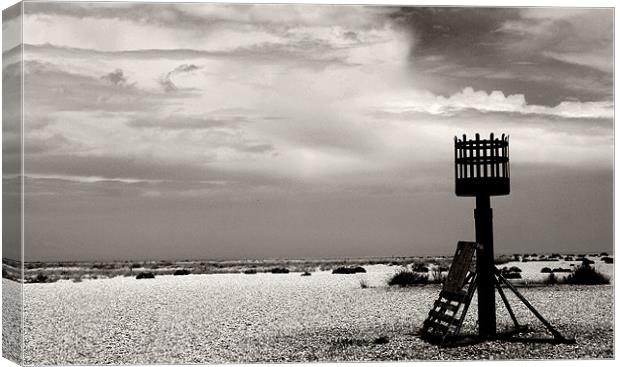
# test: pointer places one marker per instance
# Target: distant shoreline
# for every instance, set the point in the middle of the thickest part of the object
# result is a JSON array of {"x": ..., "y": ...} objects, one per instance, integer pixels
[{"x": 49, "y": 272}]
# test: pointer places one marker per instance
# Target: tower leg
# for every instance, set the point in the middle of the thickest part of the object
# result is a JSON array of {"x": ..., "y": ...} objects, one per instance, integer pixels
[
  {"x": 549, "y": 327},
  {"x": 485, "y": 267}
]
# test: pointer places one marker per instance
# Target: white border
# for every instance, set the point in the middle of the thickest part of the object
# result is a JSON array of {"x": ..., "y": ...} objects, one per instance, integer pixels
[{"x": 478, "y": 3}]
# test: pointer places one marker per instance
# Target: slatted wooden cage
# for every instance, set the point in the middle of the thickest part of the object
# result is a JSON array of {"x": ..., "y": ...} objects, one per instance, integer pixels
[{"x": 481, "y": 166}]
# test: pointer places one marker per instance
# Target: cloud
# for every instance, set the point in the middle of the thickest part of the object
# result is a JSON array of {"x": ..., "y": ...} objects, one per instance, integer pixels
[
  {"x": 116, "y": 77},
  {"x": 547, "y": 54},
  {"x": 253, "y": 147},
  {"x": 55, "y": 89},
  {"x": 89, "y": 179},
  {"x": 497, "y": 101},
  {"x": 185, "y": 68},
  {"x": 187, "y": 15},
  {"x": 42, "y": 143},
  {"x": 316, "y": 33},
  {"x": 181, "y": 122},
  {"x": 166, "y": 80},
  {"x": 578, "y": 36},
  {"x": 599, "y": 59},
  {"x": 318, "y": 79}
]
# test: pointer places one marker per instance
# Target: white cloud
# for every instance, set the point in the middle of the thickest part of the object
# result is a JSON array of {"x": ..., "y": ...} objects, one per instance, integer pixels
[
  {"x": 89, "y": 179},
  {"x": 495, "y": 101}
]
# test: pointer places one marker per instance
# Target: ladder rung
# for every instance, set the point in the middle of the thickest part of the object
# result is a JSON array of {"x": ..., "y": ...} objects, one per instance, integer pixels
[
  {"x": 457, "y": 297},
  {"x": 446, "y": 305},
  {"x": 442, "y": 317},
  {"x": 436, "y": 326}
]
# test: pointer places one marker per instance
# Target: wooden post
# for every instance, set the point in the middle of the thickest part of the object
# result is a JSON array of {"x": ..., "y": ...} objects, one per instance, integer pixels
[{"x": 485, "y": 267}]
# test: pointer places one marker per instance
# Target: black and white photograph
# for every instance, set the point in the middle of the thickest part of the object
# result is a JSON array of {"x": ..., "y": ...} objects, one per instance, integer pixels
[{"x": 215, "y": 183}]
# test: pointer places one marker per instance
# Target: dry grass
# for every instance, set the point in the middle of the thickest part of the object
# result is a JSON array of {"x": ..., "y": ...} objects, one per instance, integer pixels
[{"x": 407, "y": 278}]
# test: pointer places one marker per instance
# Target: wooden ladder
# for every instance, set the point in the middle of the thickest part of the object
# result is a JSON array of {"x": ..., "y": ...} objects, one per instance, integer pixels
[{"x": 446, "y": 317}]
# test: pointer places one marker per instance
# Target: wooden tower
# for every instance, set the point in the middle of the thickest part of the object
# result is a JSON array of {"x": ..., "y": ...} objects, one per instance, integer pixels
[{"x": 481, "y": 170}]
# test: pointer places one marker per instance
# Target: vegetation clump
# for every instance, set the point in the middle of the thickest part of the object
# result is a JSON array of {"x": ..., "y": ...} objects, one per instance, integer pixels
[
  {"x": 42, "y": 278},
  {"x": 419, "y": 267},
  {"x": 587, "y": 275},
  {"x": 405, "y": 278},
  {"x": 249, "y": 271},
  {"x": 279, "y": 271},
  {"x": 305, "y": 274},
  {"x": 511, "y": 273},
  {"x": 551, "y": 279},
  {"x": 349, "y": 270},
  {"x": 546, "y": 270},
  {"x": 145, "y": 275},
  {"x": 607, "y": 259},
  {"x": 181, "y": 272},
  {"x": 438, "y": 276}
]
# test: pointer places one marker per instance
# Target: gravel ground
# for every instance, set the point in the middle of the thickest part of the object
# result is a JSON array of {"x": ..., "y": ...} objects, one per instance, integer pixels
[
  {"x": 280, "y": 318},
  {"x": 11, "y": 320}
]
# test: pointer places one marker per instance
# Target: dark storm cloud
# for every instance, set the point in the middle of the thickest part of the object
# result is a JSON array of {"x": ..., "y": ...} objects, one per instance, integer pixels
[
  {"x": 535, "y": 52},
  {"x": 462, "y": 33},
  {"x": 539, "y": 81}
]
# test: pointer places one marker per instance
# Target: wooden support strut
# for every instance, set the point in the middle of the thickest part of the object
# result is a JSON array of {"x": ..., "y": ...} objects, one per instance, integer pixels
[
  {"x": 508, "y": 307},
  {"x": 449, "y": 327},
  {"x": 549, "y": 327}
]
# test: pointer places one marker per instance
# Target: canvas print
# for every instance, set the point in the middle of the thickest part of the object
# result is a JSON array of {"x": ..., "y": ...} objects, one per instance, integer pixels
[{"x": 192, "y": 183}]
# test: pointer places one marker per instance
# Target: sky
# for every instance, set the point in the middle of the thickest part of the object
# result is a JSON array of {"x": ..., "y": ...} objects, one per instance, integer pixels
[{"x": 174, "y": 131}]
